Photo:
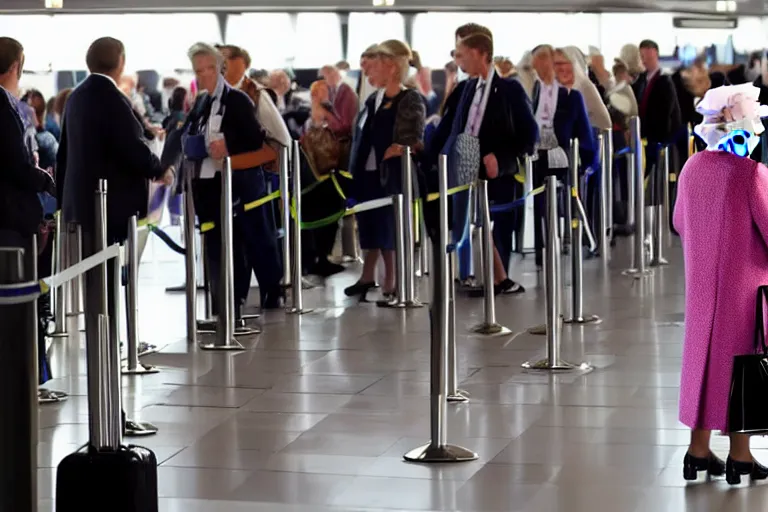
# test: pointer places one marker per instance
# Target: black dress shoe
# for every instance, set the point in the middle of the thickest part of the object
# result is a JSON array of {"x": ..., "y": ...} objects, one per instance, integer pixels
[
  {"x": 734, "y": 469},
  {"x": 359, "y": 289},
  {"x": 692, "y": 465}
]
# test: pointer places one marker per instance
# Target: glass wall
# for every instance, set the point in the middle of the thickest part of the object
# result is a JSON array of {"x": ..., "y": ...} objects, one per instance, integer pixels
[{"x": 367, "y": 28}]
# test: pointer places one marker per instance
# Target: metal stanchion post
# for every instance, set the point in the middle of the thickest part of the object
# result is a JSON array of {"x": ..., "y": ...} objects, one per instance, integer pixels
[
  {"x": 225, "y": 338},
  {"x": 631, "y": 189},
  {"x": 133, "y": 366},
  {"x": 409, "y": 293},
  {"x": 400, "y": 270},
  {"x": 455, "y": 395},
  {"x": 61, "y": 292},
  {"x": 606, "y": 194},
  {"x": 660, "y": 183},
  {"x": 18, "y": 380},
  {"x": 438, "y": 450},
  {"x": 489, "y": 325},
  {"x": 637, "y": 178},
  {"x": 297, "y": 293},
  {"x": 285, "y": 202},
  {"x": 425, "y": 245},
  {"x": 75, "y": 254},
  {"x": 608, "y": 173},
  {"x": 577, "y": 255},
  {"x": 190, "y": 260},
  {"x": 553, "y": 280}
]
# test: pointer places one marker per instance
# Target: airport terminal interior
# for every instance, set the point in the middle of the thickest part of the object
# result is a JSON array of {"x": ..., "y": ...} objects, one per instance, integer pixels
[{"x": 317, "y": 410}]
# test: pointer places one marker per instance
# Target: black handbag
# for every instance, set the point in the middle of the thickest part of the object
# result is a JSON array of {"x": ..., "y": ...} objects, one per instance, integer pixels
[{"x": 748, "y": 402}]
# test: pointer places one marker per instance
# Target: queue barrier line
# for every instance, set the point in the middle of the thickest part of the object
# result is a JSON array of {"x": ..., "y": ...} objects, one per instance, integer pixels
[{"x": 21, "y": 293}]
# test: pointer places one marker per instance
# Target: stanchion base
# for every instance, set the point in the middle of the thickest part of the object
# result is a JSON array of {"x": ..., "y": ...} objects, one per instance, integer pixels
[
  {"x": 559, "y": 366},
  {"x": 437, "y": 454},
  {"x": 538, "y": 330},
  {"x": 661, "y": 262},
  {"x": 637, "y": 274},
  {"x": 491, "y": 329},
  {"x": 141, "y": 369},
  {"x": 247, "y": 331},
  {"x": 182, "y": 288},
  {"x": 586, "y": 319},
  {"x": 139, "y": 429},
  {"x": 232, "y": 346},
  {"x": 296, "y": 311},
  {"x": 146, "y": 348},
  {"x": 458, "y": 397}
]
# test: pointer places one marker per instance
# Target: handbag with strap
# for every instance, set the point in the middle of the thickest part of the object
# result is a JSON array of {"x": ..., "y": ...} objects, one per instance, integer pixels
[{"x": 748, "y": 402}]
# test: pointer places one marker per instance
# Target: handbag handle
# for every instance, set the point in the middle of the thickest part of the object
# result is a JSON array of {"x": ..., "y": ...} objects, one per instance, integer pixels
[{"x": 762, "y": 294}]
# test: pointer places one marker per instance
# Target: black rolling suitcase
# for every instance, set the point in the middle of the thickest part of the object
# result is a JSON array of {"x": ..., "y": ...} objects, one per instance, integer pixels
[{"x": 114, "y": 478}]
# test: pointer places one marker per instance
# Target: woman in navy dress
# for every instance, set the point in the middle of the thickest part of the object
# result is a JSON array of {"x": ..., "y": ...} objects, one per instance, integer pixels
[{"x": 393, "y": 119}]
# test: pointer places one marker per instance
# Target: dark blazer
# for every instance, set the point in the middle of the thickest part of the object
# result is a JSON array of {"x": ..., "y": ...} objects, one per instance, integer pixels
[
  {"x": 660, "y": 122},
  {"x": 571, "y": 120},
  {"x": 508, "y": 130},
  {"x": 102, "y": 139},
  {"x": 20, "y": 180},
  {"x": 242, "y": 133}
]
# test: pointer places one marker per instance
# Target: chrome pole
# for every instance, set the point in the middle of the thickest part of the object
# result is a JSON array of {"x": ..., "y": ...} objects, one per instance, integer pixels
[
  {"x": 489, "y": 326},
  {"x": 409, "y": 292},
  {"x": 61, "y": 292},
  {"x": 425, "y": 246},
  {"x": 660, "y": 183},
  {"x": 438, "y": 450},
  {"x": 75, "y": 255},
  {"x": 608, "y": 174},
  {"x": 605, "y": 196},
  {"x": 577, "y": 253},
  {"x": 297, "y": 293},
  {"x": 400, "y": 271},
  {"x": 553, "y": 282},
  {"x": 133, "y": 366},
  {"x": 225, "y": 339},
  {"x": 190, "y": 260},
  {"x": 285, "y": 203},
  {"x": 631, "y": 189},
  {"x": 455, "y": 395},
  {"x": 638, "y": 257},
  {"x": 18, "y": 381}
]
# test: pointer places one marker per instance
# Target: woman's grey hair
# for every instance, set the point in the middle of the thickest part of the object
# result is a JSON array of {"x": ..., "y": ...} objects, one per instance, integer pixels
[{"x": 206, "y": 49}]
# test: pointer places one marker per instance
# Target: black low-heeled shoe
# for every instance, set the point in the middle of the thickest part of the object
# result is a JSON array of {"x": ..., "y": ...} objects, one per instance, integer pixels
[
  {"x": 359, "y": 289},
  {"x": 711, "y": 464},
  {"x": 734, "y": 470}
]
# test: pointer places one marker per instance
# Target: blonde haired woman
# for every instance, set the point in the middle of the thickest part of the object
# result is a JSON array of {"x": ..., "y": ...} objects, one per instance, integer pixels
[{"x": 394, "y": 120}]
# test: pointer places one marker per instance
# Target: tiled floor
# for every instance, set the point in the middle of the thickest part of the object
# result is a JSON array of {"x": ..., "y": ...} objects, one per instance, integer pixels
[{"x": 316, "y": 414}]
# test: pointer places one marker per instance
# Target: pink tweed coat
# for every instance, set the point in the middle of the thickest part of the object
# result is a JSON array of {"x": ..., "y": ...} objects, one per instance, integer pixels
[{"x": 722, "y": 217}]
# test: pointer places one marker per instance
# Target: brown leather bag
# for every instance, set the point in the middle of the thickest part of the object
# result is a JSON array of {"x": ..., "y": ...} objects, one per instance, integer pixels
[{"x": 325, "y": 151}]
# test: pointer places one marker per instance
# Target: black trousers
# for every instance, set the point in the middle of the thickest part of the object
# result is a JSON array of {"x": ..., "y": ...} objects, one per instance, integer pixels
[{"x": 502, "y": 190}]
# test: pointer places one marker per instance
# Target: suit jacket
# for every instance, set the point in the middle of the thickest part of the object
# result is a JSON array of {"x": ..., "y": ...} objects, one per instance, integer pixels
[
  {"x": 102, "y": 139},
  {"x": 660, "y": 122},
  {"x": 242, "y": 133},
  {"x": 508, "y": 130},
  {"x": 571, "y": 120},
  {"x": 20, "y": 180}
]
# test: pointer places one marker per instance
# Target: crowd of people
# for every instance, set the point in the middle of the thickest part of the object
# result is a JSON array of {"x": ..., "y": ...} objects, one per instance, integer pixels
[{"x": 489, "y": 116}]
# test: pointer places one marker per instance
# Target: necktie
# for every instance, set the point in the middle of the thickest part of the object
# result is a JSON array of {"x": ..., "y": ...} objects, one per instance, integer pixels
[{"x": 474, "y": 111}]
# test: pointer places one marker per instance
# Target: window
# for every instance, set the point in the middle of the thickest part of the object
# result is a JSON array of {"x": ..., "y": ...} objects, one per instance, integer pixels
[
  {"x": 367, "y": 28},
  {"x": 268, "y": 37},
  {"x": 318, "y": 40},
  {"x": 31, "y": 32}
]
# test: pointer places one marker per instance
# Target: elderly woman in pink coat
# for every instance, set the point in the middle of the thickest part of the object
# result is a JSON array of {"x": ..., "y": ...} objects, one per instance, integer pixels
[{"x": 722, "y": 217}]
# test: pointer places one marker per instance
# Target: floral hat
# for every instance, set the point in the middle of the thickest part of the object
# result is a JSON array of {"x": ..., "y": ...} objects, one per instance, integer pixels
[{"x": 731, "y": 108}]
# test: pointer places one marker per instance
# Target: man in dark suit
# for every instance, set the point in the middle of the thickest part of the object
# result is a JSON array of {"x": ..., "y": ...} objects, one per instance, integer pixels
[
  {"x": 560, "y": 115},
  {"x": 660, "y": 118},
  {"x": 225, "y": 118},
  {"x": 498, "y": 113},
  {"x": 101, "y": 139}
]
